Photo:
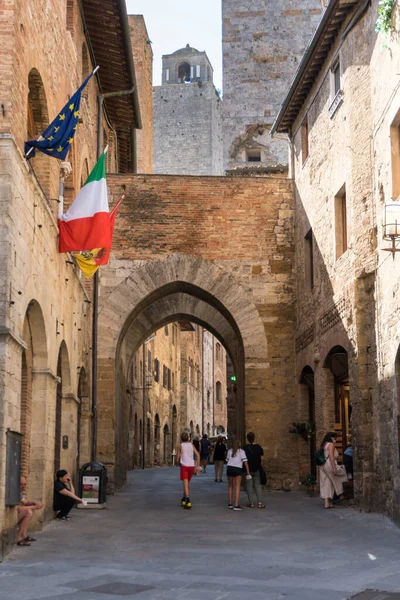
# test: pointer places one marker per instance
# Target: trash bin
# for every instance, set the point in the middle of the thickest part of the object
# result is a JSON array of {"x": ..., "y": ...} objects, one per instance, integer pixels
[{"x": 93, "y": 484}]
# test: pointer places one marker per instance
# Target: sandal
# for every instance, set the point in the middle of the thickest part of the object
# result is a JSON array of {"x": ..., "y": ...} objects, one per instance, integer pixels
[
  {"x": 260, "y": 505},
  {"x": 330, "y": 506},
  {"x": 250, "y": 505},
  {"x": 30, "y": 539},
  {"x": 23, "y": 543}
]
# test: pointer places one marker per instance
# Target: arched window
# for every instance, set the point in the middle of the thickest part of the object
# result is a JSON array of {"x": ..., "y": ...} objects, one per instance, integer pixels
[
  {"x": 37, "y": 121},
  {"x": 218, "y": 392},
  {"x": 184, "y": 72},
  {"x": 84, "y": 172}
]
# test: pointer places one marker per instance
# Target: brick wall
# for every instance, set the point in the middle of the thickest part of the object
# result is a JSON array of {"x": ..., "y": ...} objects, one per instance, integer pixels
[
  {"x": 233, "y": 239},
  {"x": 143, "y": 58}
]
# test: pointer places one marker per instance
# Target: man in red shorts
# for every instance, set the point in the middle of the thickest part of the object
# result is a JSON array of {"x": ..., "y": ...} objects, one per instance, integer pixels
[{"x": 189, "y": 458}]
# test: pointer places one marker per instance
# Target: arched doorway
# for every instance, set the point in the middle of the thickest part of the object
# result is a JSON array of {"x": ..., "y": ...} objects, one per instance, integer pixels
[
  {"x": 166, "y": 444},
  {"x": 34, "y": 362},
  {"x": 174, "y": 440},
  {"x": 337, "y": 362},
  {"x": 157, "y": 436},
  {"x": 66, "y": 418},
  {"x": 84, "y": 425}
]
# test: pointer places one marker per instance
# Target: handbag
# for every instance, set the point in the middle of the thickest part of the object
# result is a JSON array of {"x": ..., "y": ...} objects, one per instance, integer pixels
[
  {"x": 320, "y": 458},
  {"x": 263, "y": 475}
]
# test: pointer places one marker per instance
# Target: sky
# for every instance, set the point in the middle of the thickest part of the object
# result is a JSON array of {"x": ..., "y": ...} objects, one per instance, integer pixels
[{"x": 172, "y": 24}]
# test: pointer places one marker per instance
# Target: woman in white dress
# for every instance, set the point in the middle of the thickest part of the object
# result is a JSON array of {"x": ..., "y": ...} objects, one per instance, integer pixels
[{"x": 331, "y": 475}]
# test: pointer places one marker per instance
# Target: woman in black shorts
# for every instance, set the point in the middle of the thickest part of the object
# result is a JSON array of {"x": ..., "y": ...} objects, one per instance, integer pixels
[{"x": 236, "y": 458}]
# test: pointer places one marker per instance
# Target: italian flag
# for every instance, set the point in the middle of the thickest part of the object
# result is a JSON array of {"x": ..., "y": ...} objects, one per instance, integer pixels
[{"x": 86, "y": 224}]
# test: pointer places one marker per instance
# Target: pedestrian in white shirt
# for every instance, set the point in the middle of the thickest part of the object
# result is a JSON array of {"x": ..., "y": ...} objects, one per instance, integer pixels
[{"x": 236, "y": 459}]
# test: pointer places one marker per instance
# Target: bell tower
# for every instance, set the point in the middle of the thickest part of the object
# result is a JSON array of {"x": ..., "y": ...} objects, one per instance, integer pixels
[{"x": 187, "y": 129}]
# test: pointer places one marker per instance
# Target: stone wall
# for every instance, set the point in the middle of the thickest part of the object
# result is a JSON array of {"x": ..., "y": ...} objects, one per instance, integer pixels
[
  {"x": 143, "y": 57},
  {"x": 187, "y": 136},
  {"x": 262, "y": 45}
]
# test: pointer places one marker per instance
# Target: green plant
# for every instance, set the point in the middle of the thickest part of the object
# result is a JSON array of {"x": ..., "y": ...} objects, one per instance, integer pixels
[
  {"x": 310, "y": 481},
  {"x": 306, "y": 430},
  {"x": 384, "y": 21}
]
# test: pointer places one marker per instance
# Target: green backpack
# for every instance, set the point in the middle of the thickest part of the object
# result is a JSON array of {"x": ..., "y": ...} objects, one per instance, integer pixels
[{"x": 320, "y": 458}]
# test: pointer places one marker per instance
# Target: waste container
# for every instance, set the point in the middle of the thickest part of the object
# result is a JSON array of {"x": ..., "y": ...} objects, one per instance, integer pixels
[{"x": 93, "y": 484}]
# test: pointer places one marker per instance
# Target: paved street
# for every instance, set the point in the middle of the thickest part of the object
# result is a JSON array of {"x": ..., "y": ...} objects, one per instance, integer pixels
[{"x": 145, "y": 546}]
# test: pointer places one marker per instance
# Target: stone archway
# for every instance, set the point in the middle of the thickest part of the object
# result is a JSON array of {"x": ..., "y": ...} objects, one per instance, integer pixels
[
  {"x": 155, "y": 293},
  {"x": 34, "y": 408}
]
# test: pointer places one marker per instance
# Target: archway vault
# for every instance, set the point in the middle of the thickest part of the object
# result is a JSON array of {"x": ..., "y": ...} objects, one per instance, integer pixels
[{"x": 159, "y": 291}]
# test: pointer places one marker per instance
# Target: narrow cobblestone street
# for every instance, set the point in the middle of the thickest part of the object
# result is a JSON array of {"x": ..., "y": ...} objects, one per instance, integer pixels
[{"x": 145, "y": 546}]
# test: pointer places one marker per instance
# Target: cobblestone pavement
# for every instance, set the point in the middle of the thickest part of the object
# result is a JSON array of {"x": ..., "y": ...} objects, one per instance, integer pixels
[{"x": 145, "y": 546}]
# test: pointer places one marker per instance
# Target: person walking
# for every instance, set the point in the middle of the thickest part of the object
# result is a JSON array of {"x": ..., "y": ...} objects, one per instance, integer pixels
[
  {"x": 254, "y": 453},
  {"x": 204, "y": 452},
  {"x": 331, "y": 475},
  {"x": 236, "y": 459},
  {"x": 219, "y": 458},
  {"x": 189, "y": 459},
  {"x": 64, "y": 495}
]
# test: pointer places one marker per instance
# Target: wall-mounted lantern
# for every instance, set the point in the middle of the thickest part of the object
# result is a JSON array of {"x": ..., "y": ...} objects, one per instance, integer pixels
[{"x": 391, "y": 225}]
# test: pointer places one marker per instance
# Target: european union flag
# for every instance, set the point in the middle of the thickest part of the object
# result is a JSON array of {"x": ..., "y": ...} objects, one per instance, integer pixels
[{"x": 59, "y": 135}]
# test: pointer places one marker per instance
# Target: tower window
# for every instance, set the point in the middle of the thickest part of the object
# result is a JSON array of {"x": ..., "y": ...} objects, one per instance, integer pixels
[
  {"x": 253, "y": 155},
  {"x": 304, "y": 140},
  {"x": 197, "y": 70},
  {"x": 184, "y": 72},
  {"x": 309, "y": 259},
  {"x": 341, "y": 222},
  {"x": 166, "y": 74},
  {"x": 335, "y": 79}
]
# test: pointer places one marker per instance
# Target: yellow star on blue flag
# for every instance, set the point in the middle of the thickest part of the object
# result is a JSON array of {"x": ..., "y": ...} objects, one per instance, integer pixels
[{"x": 59, "y": 135}]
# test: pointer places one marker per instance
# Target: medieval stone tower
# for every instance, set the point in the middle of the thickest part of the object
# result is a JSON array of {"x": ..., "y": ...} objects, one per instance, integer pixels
[
  {"x": 263, "y": 41},
  {"x": 187, "y": 132}
]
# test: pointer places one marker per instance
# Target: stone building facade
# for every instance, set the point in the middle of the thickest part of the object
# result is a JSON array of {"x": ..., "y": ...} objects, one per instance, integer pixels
[
  {"x": 187, "y": 130},
  {"x": 342, "y": 115},
  {"x": 45, "y": 310},
  {"x": 262, "y": 44}
]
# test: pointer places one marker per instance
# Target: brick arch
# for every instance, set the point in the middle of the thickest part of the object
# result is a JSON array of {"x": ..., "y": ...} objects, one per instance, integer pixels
[{"x": 160, "y": 291}]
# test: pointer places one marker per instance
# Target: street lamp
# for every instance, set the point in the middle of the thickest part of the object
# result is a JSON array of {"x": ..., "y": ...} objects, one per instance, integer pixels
[{"x": 391, "y": 226}]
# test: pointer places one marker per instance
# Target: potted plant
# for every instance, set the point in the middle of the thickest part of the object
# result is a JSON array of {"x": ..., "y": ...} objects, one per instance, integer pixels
[
  {"x": 306, "y": 430},
  {"x": 309, "y": 482}
]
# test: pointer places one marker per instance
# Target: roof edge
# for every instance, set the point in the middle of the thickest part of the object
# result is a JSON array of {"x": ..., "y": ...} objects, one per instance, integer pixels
[{"x": 130, "y": 61}]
